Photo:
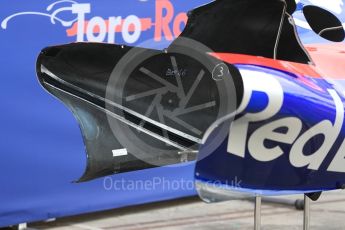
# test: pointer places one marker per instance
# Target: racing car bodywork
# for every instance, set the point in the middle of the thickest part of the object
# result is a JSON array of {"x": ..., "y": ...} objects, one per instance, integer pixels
[
  {"x": 287, "y": 136},
  {"x": 237, "y": 86}
]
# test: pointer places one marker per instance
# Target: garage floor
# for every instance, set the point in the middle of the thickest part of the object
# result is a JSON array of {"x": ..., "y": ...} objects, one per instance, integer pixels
[{"x": 191, "y": 213}]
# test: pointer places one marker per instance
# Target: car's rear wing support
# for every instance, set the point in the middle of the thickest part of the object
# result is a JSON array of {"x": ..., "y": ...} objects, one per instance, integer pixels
[
  {"x": 257, "y": 212},
  {"x": 306, "y": 214}
]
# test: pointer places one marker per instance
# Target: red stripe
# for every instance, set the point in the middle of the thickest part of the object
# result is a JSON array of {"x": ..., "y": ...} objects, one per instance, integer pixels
[{"x": 329, "y": 61}]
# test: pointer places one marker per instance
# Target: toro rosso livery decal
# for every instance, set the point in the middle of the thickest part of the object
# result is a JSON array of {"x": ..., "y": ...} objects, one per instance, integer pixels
[{"x": 98, "y": 29}]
